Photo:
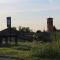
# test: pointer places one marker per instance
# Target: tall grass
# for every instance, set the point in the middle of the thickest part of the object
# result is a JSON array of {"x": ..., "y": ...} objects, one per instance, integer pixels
[{"x": 34, "y": 50}]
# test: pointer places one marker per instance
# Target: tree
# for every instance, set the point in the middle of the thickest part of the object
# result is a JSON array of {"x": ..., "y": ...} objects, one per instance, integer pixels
[
  {"x": 14, "y": 28},
  {"x": 54, "y": 28},
  {"x": 24, "y": 29},
  {"x": 20, "y": 28},
  {"x": 38, "y": 31},
  {"x": 37, "y": 34},
  {"x": 28, "y": 30}
]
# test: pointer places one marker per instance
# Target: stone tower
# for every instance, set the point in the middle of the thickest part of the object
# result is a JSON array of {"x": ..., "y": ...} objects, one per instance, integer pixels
[{"x": 50, "y": 24}]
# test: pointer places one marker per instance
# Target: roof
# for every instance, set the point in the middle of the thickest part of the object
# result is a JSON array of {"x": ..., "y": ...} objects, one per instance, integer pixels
[{"x": 6, "y": 32}]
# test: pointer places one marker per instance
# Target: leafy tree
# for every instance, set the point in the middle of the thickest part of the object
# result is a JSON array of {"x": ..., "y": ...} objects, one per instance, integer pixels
[
  {"x": 38, "y": 31},
  {"x": 28, "y": 29},
  {"x": 14, "y": 28},
  {"x": 20, "y": 28},
  {"x": 54, "y": 28},
  {"x": 24, "y": 29},
  {"x": 37, "y": 34}
]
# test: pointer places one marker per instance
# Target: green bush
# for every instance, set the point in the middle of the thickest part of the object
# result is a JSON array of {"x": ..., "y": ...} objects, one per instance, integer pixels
[{"x": 50, "y": 50}]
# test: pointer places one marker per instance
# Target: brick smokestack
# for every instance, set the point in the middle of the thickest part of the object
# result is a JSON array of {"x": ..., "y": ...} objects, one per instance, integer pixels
[
  {"x": 9, "y": 22},
  {"x": 50, "y": 24}
]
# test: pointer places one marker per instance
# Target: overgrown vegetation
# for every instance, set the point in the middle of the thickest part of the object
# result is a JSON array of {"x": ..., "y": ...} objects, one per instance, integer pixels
[{"x": 35, "y": 50}]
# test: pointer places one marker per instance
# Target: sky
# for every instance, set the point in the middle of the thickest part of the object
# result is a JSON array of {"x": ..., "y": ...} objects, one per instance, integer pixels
[{"x": 30, "y": 13}]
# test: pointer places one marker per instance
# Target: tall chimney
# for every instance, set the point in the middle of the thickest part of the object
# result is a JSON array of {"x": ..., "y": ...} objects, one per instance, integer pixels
[
  {"x": 50, "y": 24},
  {"x": 9, "y": 22}
]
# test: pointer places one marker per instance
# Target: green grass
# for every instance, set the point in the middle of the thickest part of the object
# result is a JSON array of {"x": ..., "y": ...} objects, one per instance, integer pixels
[{"x": 34, "y": 50}]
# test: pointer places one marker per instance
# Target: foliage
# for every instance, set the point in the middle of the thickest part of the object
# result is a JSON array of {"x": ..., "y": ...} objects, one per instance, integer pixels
[
  {"x": 35, "y": 50},
  {"x": 24, "y": 29}
]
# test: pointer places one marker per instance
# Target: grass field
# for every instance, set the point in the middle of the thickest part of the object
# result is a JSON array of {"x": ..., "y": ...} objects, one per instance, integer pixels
[{"x": 35, "y": 50}]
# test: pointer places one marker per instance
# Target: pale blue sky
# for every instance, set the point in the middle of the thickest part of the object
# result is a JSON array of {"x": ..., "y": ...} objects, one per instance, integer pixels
[{"x": 29, "y": 13}]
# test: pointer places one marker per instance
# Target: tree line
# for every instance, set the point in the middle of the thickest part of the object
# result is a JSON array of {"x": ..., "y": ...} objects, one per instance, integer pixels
[{"x": 38, "y": 35}]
